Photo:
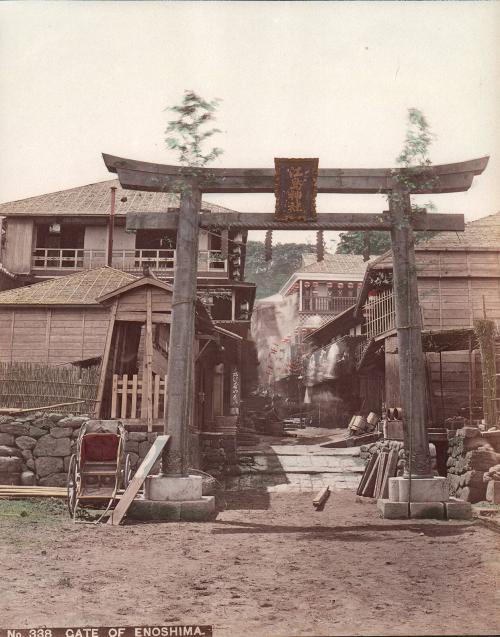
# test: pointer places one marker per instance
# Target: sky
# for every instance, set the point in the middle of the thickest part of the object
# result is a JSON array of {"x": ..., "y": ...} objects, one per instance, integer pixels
[{"x": 332, "y": 80}]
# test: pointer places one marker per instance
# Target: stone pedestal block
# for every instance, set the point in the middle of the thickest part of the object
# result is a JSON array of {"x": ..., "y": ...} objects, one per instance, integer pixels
[
  {"x": 420, "y": 510},
  {"x": 188, "y": 511},
  {"x": 173, "y": 489},
  {"x": 458, "y": 510},
  {"x": 422, "y": 489}
]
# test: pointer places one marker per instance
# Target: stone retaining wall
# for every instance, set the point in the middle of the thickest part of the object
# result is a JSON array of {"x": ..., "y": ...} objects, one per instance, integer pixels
[
  {"x": 36, "y": 448},
  {"x": 471, "y": 454}
]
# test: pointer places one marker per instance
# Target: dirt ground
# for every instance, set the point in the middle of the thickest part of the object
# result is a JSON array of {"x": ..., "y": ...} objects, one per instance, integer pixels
[{"x": 284, "y": 570}]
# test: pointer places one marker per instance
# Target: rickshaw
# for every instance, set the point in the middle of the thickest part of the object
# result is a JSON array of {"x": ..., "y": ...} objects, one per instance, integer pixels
[{"x": 99, "y": 467}]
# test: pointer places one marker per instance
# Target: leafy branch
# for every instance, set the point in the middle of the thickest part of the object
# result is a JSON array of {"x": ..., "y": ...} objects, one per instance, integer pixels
[{"x": 187, "y": 134}]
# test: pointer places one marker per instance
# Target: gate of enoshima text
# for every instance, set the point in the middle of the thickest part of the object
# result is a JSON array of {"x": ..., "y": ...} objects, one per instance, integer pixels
[{"x": 295, "y": 183}]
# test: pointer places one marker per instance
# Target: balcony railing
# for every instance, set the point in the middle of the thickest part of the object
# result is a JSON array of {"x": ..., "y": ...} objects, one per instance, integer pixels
[
  {"x": 126, "y": 260},
  {"x": 334, "y": 304},
  {"x": 379, "y": 314}
]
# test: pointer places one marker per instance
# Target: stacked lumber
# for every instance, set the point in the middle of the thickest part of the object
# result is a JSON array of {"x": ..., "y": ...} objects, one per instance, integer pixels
[
  {"x": 19, "y": 492},
  {"x": 374, "y": 482}
]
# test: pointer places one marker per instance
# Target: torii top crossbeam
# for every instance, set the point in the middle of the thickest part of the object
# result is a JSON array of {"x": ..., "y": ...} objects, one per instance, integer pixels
[{"x": 141, "y": 175}]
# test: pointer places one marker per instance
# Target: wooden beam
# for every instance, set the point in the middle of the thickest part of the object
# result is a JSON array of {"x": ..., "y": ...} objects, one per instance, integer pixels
[
  {"x": 140, "y": 175},
  {"x": 137, "y": 481},
  {"x": 105, "y": 360},
  {"x": 267, "y": 221}
]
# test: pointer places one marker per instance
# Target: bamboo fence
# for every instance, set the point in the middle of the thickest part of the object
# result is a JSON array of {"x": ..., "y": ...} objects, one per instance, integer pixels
[{"x": 36, "y": 385}]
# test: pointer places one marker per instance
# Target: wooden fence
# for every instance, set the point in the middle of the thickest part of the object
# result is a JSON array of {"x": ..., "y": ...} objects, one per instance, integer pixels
[
  {"x": 127, "y": 399},
  {"x": 36, "y": 385}
]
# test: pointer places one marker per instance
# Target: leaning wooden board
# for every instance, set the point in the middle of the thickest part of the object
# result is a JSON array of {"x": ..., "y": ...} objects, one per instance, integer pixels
[{"x": 137, "y": 481}]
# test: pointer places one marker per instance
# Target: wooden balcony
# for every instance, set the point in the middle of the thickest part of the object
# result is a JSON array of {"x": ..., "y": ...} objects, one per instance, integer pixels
[
  {"x": 379, "y": 314},
  {"x": 66, "y": 260},
  {"x": 327, "y": 304}
]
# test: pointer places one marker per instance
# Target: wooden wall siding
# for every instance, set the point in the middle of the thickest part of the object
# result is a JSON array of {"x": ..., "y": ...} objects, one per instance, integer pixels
[
  {"x": 51, "y": 335},
  {"x": 19, "y": 245},
  {"x": 455, "y": 383},
  {"x": 452, "y": 303},
  {"x": 453, "y": 263},
  {"x": 132, "y": 305}
]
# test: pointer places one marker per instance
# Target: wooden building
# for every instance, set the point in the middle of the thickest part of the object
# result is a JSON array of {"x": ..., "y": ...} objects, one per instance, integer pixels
[
  {"x": 458, "y": 281},
  {"x": 121, "y": 322},
  {"x": 83, "y": 228}
]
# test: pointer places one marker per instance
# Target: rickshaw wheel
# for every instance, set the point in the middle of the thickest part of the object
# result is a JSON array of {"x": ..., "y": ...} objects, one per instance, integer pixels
[
  {"x": 72, "y": 486},
  {"x": 127, "y": 471}
]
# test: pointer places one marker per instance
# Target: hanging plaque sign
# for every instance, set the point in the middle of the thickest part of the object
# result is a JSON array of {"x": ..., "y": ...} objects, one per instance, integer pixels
[{"x": 295, "y": 189}]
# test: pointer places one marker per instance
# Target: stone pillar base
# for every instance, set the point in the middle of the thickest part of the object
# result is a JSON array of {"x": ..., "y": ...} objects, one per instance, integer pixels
[
  {"x": 173, "y": 489},
  {"x": 170, "y": 498},
  {"x": 422, "y": 489},
  {"x": 170, "y": 511},
  {"x": 429, "y": 499}
]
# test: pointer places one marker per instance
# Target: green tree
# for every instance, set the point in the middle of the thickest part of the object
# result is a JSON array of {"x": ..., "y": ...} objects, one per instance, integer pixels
[
  {"x": 187, "y": 133},
  {"x": 270, "y": 276},
  {"x": 414, "y": 157}
]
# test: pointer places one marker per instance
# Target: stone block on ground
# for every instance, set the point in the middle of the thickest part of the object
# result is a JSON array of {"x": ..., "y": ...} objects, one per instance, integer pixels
[
  {"x": 28, "y": 478},
  {"x": 50, "y": 446},
  {"x": 458, "y": 510},
  {"x": 427, "y": 510},
  {"x": 54, "y": 480},
  {"x": 199, "y": 510},
  {"x": 26, "y": 442},
  {"x": 47, "y": 465},
  {"x": 493, "y": 491},
  {"x": 392, "y": 510},
  {"x": 154, "y": 510}
]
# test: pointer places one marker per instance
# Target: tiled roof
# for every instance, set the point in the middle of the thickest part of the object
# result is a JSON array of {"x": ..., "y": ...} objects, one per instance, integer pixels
[
  {"x": 481, "y": 233},
  {"x": 81, "y": 288},
  {"x": 95, "y": 199},
  {"x": 334, "y": 264}
]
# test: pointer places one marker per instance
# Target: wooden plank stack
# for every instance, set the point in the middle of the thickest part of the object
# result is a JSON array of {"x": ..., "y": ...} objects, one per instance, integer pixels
[
  {"x": 15, "y": 492},
  {"x": 374, "y": 482}
]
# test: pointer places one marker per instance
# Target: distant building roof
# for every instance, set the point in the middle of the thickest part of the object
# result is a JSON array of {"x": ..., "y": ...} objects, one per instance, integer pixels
[
  {"x": 334, "y": 264},
  {"x": 80, "y": 288},
  {"x": 94, "y": 199}
]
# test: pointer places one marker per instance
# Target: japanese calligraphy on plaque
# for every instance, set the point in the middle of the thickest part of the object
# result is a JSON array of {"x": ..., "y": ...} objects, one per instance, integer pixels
[{"x": 295, "y": 189}]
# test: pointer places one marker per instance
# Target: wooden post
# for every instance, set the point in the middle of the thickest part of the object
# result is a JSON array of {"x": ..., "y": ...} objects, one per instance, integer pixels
[
  {"x": 411, "y": 359},
  {"x": 182, "y": 333},
  {"x": 147, "y": 380}
]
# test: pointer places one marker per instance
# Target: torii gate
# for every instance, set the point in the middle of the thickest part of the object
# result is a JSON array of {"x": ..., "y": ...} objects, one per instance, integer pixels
[{"x": 399, "y": 220}]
